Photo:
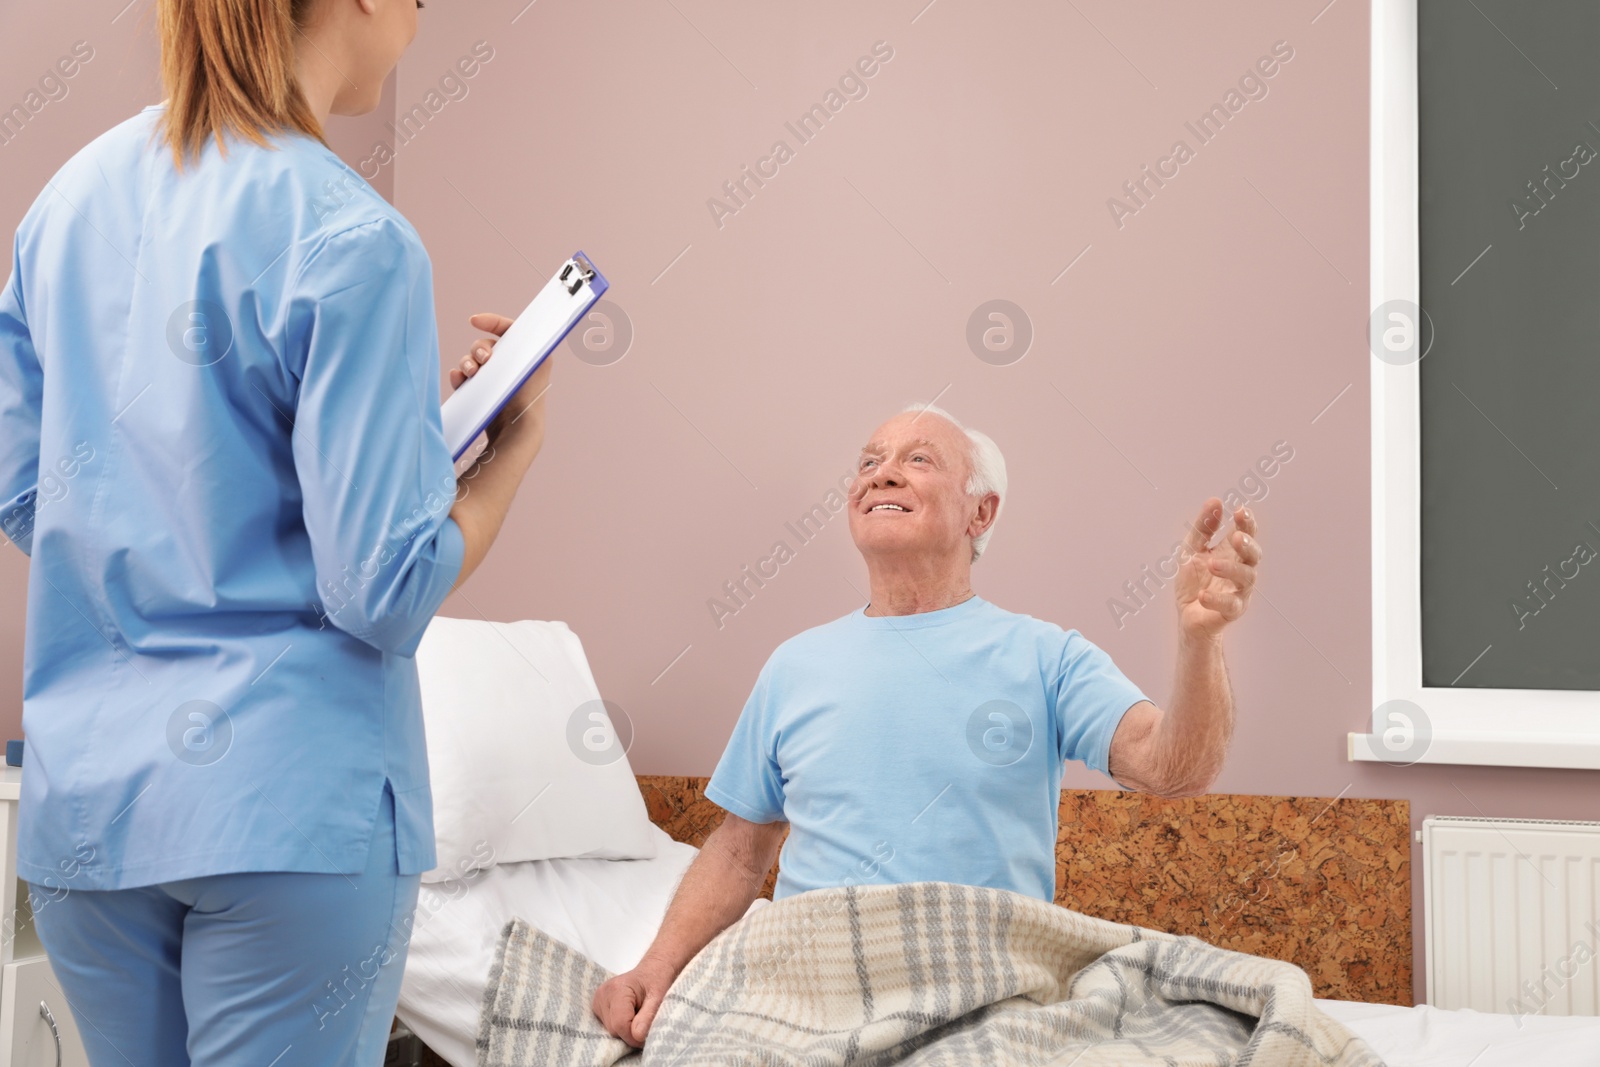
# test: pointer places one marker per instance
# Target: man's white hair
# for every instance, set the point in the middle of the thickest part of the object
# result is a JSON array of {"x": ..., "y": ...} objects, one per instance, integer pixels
[{"x": 988, "y": 468}]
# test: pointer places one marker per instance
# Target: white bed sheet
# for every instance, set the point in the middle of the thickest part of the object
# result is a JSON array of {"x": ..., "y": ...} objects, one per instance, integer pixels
[
  {"x": 607, "y": 909},
  {"x": 1430, "y": 1037},
  {"x": 610, "y": 911}
]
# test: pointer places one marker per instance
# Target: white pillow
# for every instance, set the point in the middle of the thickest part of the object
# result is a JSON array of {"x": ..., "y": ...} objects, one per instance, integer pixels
[{"x": 524, "y": 762}]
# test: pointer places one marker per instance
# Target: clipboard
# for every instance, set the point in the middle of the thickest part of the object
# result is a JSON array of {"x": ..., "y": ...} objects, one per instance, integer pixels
[{"x": 527, "y": 342}]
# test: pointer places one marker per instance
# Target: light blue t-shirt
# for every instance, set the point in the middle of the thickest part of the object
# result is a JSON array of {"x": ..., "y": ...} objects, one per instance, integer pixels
[{"x": 927, "y": 747}]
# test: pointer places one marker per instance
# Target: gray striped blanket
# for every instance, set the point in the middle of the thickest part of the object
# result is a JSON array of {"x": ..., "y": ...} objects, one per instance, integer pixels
[{"x": 926, "y": 974}]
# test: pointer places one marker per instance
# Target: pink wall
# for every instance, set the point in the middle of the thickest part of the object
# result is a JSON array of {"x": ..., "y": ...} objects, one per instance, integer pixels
[{"x": 1221, "y": 317}]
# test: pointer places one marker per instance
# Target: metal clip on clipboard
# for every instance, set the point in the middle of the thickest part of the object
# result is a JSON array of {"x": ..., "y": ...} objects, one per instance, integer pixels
[{"x": 529, "y": 340}]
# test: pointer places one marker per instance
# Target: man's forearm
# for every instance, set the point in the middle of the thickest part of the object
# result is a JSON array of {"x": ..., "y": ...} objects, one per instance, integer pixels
[
  {"x": 1192, "y": 740},
  {"x": 716, "y": 891}
]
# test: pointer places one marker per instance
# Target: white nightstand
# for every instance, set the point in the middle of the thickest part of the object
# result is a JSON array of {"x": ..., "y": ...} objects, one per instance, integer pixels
[{"x": 36, "y": 1025}]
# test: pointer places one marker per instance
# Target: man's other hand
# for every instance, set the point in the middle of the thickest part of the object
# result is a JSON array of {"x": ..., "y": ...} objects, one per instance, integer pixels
[{"x": 627, "y": 1004}]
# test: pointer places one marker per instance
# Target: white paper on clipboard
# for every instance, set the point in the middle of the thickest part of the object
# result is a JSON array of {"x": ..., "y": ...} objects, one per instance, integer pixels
[{"x": 534, "y": 334}]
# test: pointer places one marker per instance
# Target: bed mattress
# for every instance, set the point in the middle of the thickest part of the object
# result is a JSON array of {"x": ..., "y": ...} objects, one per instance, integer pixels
[{"x": 610, "y": 909}]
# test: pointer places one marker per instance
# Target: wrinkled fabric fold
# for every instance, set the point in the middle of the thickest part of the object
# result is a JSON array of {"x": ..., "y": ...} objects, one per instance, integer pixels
[{"x": 924, "y": 974}]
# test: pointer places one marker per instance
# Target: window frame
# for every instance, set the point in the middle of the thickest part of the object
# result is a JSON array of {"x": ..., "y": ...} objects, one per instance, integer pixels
[{"x": 1490, "y": 727}]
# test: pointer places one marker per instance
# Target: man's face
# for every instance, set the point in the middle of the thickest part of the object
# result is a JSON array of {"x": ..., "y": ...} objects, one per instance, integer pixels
[{"x": 910, "y": 493}]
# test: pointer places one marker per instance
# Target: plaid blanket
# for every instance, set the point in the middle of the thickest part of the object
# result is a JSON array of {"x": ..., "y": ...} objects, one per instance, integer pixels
[{"x": 925, "y": 974}]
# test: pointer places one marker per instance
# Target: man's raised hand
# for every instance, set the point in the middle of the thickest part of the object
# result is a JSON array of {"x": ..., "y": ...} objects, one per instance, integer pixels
[{"x": 1215, "y": 583}]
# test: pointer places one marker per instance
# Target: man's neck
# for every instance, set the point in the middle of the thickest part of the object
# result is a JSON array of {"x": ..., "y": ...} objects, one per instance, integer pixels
[{"x": 911, "y": 587}]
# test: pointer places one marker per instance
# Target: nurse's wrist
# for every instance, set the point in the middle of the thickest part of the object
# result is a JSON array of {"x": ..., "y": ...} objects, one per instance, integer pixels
[{"x": 522, "y": 436}]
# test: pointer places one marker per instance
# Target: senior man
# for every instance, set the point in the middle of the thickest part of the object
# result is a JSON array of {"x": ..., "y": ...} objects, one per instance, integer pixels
[{"x": 922, "y": 737}]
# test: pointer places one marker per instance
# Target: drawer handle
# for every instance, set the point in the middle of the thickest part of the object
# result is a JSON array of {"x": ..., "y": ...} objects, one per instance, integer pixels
[{"x": 50, "y": 1020}]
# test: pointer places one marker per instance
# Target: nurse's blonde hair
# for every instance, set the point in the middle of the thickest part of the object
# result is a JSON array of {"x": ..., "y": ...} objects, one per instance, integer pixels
[{"x": 228, "y": 66}]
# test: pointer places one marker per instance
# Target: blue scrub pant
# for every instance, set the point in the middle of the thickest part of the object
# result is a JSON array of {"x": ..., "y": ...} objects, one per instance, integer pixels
[{"x": 270, "y": 969}]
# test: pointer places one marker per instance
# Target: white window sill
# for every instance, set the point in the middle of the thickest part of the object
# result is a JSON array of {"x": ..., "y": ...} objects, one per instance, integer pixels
[{"x": 1579, "y": 751}]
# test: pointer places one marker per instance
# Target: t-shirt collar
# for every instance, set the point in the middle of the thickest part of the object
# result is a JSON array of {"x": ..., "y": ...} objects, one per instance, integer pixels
[{"x": 921, "y": 619}]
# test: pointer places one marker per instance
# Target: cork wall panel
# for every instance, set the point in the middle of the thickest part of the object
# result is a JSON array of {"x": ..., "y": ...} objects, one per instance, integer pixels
[{"x": 1324, "y": 884}]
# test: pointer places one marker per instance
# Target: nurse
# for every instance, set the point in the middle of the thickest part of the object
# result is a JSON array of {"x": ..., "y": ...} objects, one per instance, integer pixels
[{"x": 220, "y": 444}]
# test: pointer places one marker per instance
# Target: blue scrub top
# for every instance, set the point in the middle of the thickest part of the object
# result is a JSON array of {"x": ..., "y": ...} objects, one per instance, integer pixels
[{"x": 220, "y": 443}]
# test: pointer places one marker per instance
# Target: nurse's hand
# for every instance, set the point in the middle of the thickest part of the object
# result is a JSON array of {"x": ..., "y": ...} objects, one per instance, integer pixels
[
  {"x": 525, "y": 411},
  {"x": 484, "y": 494}
]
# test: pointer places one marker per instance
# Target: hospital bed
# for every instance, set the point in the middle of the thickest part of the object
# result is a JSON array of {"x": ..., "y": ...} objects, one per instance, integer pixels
[{"x": 1323, "y": 884}]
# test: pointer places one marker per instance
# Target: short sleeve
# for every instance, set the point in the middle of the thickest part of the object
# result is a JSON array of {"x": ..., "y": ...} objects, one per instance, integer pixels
[
  {"x": 1091, "y": 695},
  {"x": 21, "y": 408},
  {"x": 376, "y": 478},
  {"x": 748, "y": 781}
]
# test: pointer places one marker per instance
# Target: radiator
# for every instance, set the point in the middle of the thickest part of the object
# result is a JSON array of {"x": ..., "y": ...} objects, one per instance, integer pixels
[{"x": 1512, "y": 915}]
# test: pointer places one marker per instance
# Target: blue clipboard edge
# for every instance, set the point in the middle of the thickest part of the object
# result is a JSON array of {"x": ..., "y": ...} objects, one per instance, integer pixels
[{"x": 598, "y": 285}]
